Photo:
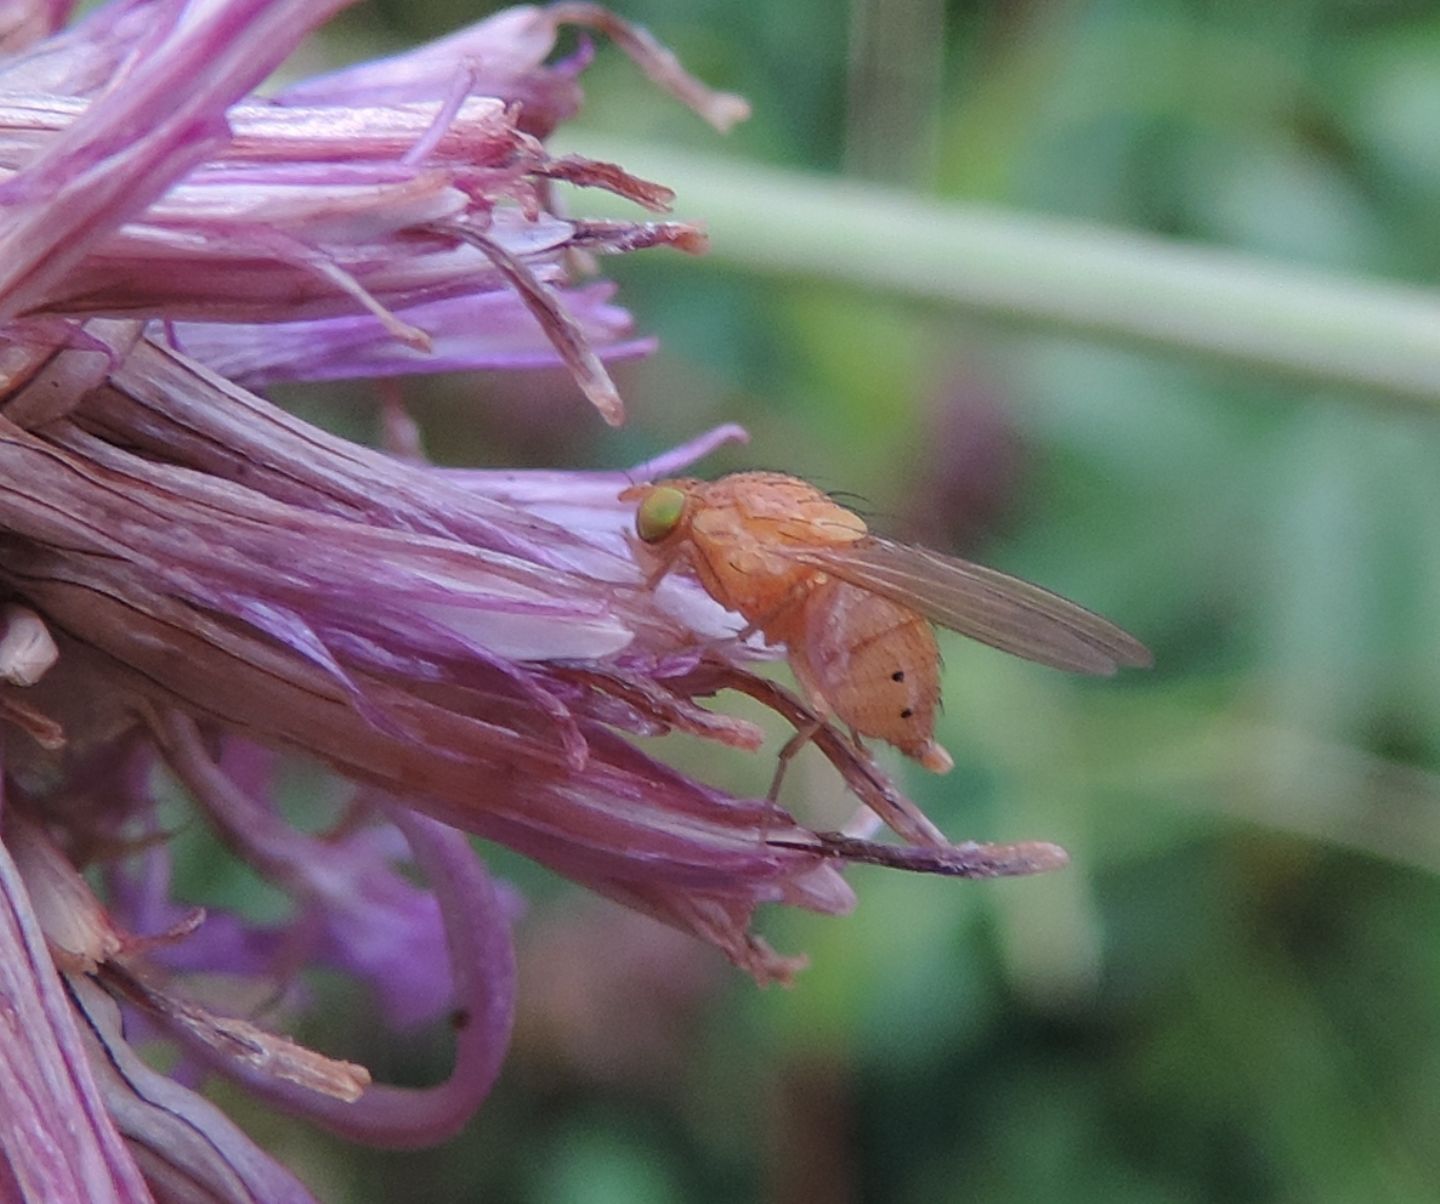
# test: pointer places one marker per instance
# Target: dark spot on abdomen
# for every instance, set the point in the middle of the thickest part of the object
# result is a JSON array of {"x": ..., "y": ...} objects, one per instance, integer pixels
[
  {"x": 898, "y": 675},
  {"x": 907, "y": 712}
]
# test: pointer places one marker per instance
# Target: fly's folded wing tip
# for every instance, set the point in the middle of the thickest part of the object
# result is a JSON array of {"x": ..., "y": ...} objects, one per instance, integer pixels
[
  {"x": 1095, "y": 647},
  {"x": 1134, "y": 655},
  {"x": 1122, "y": 652}
]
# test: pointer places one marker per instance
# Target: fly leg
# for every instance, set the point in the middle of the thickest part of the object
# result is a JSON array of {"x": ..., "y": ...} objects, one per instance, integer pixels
[
  {"x": 658, "y": 574},
  {"x": 803, "y": 735},
  {"x": 663, "y": 563},
  {"x": 808, "y": 722}
]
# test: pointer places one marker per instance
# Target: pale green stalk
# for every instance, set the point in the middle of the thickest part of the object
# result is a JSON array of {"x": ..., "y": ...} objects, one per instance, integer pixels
[{"x": 1367, "y": 334}]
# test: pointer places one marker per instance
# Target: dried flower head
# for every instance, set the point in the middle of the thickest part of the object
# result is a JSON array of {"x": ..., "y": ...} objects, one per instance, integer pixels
[{"x": 199, "y": 589}]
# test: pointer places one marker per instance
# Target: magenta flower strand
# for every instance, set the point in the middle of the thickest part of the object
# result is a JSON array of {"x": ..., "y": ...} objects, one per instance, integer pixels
[{"x": 201, "y": 590}]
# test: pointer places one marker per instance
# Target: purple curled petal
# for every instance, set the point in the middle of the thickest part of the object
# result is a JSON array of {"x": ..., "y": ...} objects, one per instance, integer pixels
[
  {"x": 365, "y": 917},
  {"x": 483, "y": 964},
  {"x": 391, "y": 935},
  {"x": 670, "y": 462}
]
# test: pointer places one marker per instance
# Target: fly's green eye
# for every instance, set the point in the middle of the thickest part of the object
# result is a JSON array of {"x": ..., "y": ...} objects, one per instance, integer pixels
[{"x": 659, "y": 513}]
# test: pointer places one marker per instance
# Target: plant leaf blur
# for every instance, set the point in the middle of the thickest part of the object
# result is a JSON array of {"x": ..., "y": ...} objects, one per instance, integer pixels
[{"x": 1233, "y": 994}]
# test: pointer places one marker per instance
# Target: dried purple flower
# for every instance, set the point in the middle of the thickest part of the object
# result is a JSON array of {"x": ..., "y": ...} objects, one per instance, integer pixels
[{"x": 197, "y": 586}]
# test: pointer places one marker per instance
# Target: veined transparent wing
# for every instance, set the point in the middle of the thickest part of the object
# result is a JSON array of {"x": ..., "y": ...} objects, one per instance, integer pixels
[{"x": 981, "y": 603}]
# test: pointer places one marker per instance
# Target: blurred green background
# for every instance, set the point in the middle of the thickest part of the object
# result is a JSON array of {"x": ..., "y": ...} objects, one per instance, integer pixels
[{"x": 1234, "y": 992}]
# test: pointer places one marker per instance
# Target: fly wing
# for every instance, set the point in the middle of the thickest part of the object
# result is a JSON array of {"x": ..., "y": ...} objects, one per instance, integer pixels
[{"x": 985, "y": 605}]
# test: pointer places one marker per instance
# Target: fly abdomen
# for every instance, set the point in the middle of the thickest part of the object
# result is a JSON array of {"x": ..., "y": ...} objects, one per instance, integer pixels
[{"x": 877, "y": 665}]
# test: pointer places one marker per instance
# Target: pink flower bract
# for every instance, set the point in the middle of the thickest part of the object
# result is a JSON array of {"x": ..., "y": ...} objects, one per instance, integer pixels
[{"x": 202, "y": 591}]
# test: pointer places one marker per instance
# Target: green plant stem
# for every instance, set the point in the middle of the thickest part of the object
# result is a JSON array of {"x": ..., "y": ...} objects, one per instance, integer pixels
[
  {"x": 1324, "y": 327},
  {"x": 1293, "y": 782}
]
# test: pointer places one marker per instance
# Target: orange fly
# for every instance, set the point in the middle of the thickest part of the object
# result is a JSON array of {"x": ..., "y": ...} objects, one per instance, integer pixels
[{"x": 854, "y": 610}]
